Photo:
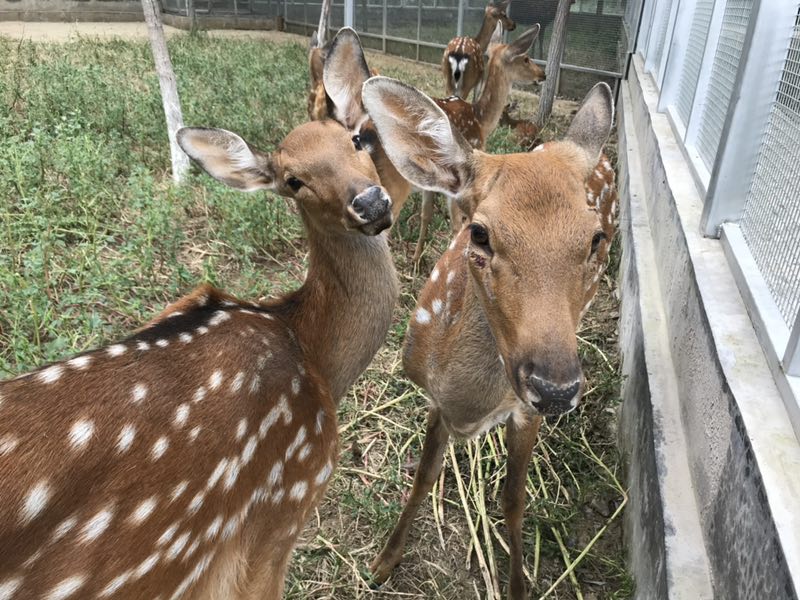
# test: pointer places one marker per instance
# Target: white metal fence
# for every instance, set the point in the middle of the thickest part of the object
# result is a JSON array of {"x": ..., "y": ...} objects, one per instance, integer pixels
[{"x": 728, "y": 72}]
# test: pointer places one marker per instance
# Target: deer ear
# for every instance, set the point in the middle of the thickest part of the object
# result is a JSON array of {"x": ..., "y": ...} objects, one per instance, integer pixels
[
  {"x": 502, "y": 5},
  {"x": 418, "y": 137},
  {"x": 524, "y": 42},
  {"x": 344, "y": 72},
  {"x": 227, "y": 158},
  {"x": 592, "y": 123}
]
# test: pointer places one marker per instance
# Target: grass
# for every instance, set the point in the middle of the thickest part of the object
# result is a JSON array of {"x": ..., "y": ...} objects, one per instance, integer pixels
[{"x": 94, "y": 241}]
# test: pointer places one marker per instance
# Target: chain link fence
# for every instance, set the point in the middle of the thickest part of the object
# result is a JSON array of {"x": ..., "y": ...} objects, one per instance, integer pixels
[{"x": 596, "y": 48}]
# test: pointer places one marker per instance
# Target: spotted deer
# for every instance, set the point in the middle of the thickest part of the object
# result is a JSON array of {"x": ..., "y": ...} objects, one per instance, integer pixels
[
  {"x": 508, "y": 64},
  {"x": 462, "y": 62},
  {"x": 492, "y": 339},
  {"x": 183, "y": 461}
]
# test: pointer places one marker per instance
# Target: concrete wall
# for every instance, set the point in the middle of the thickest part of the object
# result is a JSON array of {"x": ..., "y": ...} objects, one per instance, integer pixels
[
  {"x": 714, "y": 465},
  {"x": 71, "y": 10}
]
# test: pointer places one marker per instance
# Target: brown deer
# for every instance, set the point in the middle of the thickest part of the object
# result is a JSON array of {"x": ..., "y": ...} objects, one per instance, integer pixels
[
  {"x": 508, "y": 63},
  {"x": 492, "y": 339},
  {"x": 182, "y": 462},
  {"x": 462, "y": 62}
]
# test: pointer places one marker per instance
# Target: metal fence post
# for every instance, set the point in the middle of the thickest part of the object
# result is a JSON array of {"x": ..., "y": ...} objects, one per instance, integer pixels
[
  {"x": 676, "y": 55},
  {"x": 419, "y": 24},
  {"x": 763, "y": 54},
  {"x": 349, "y": 13},
  {"x": 383, "y": 30},
  {"x": 460, "y": 22}
]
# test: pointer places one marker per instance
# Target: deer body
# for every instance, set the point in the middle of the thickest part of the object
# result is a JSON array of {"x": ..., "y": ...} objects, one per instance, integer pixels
[
  {"x": 492, "y": 338},
  {"x": 183, "y": 461},
  {"x": 462, "y": 62}
]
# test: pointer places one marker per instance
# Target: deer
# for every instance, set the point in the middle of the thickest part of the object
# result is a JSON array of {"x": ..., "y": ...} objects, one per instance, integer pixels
[
  {"x": 183, "y": 460},
  {"x": 492, "y": 338},
  {"x": 462, "y": 61},
  {"x": 345, "y": 70}
]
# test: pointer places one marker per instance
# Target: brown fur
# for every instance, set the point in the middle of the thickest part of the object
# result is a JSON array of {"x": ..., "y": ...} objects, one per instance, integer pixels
[
  {"x": 473, "y": 50},
  {"x": 497, "y": 319},
  {"x": 211, "y": 379}
]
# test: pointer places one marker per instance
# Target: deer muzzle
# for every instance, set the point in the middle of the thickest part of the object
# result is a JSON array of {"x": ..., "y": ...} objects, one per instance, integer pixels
[
  {"x": 371, "y": 210},
  {"x": 548, "y": 395}
]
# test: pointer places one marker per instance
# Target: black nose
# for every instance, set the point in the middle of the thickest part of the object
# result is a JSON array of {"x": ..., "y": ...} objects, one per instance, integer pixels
[
  {"x": 457, "y": 75},
  {"x": 370, "y": 205},
  {"x": 549, "y": 396}
]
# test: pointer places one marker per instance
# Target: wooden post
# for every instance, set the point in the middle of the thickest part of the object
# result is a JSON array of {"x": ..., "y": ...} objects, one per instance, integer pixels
[
  {"x": 324, "y": 17},
  {"x": 555, "y": 55},
  {"x": 169, "y": 88}
]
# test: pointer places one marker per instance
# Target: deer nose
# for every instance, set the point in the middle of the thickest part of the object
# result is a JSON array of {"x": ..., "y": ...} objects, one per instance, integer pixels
[
  {"x": 370, "y": 205},
  {"x": 546, "y": 395}
]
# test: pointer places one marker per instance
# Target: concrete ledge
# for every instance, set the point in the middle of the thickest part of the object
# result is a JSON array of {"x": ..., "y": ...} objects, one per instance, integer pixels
[
  {"x": 702, "y": 360},
  {"x": 223, "y": 22},
  {"x": 71, "y": 10}
]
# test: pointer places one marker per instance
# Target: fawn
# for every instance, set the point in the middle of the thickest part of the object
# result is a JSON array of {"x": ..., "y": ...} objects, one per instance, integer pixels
[
  {"x": 492, "y": 339},
  {"x": 182, "y": 462}
]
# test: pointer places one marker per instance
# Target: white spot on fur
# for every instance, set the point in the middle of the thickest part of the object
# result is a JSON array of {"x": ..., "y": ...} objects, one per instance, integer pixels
[
  {"x": 281, "y": 409},
  {"x": 219, "y": 317},
  {"x": 178, "y": 490},
  {"x": 80, "y": 362},
  {"x": 255, "y": 383},
  {"x": 143, "y": 511},
  {"x": 202, "y": 330},
  {"x": 320, "y": 421},
  {"x": 64, "y": 528},
  {"x": 143, "y": 346},
  {"x": 241, "y": 429},
  {"x": 181, "y": 415},
  {"x": 275, "y": 475},
  {"x": 66, "y": 588},
  {"x": 452, "y": 245},
  {"x": 35, "y": 501},
  {"x": 232, "y": 474},
  {"x": 8, "y": 444},
  {"x": 249, "y": 449},
  {"x": 295, "y": 386},
  {"x": 176, "y": 547},
  {"x": 437, "y": 306},
  {"x": 116, "y": 350},
  {"x": 126, "y": 437},
  {"x": 80, "y": 434},
  {"x": 450, "y": 276},
  {"x": 168, "y": 534},
  {"x": 50, "y": 374},
  {"x": 194, "y": 433},
  {"x": 298, "y": 440},
  {"x": 215, "y": 380},
  {"x": 213, "y": 529},
  {"x": 422, "y": 316},
  {"x": 115, "y": 584},
  {"x": 199, "y": 394},
  {"x": 298, "y": 491},
  {"x": 237, "y": 382},
  {"x": 324, "y": 474},
  {"x": 162, "y": 343},
  {"x": 435, "y": 275},
  {"x": 159, "y": 448},
  {"x": 216, "y": 474},
  {"x": 147, "y": 565},
  {"x": 196, "y": 503},
  {"x": 139, "y": 392},
  {"x": 185, "y": 337},
  {"x": 191, "y": 549},
  {"x": 95, "y": 526},
  {"x": 278, "y": 495},
  {"x": 8, "y": 587}
]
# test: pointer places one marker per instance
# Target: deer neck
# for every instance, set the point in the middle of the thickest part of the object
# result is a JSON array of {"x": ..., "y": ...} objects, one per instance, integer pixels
[
  {"x": 343, "y": 310},
  {"x": 485, "y": 34},
  {"x": 489, "y": 107}
]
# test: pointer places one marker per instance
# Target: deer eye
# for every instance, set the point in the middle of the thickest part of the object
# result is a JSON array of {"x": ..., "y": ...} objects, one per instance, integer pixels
[
  {"x": 294, "y": 183},
  {"x": 527, "y": 60},
  {"x": 357, "y": 142},
  {"x": 479, "y": 236},
  {"x": 598, "y": 237}
]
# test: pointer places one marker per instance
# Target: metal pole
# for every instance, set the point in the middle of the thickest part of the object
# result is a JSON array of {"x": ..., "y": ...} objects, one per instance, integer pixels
[
  {"x": 349, "y": 13},
  {"x": 385, "y": 17},
  {"x": 419, "y": 25},
  {"x": 460, "y": 22}
]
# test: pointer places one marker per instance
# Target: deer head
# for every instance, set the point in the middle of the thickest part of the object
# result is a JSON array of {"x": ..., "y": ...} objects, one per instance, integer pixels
[
  {"x": 496, "y": 13},
  {"x": 536, "y": 247},
  {"x": 513, "y": 60},
  {"x": 344, "y": 194}
]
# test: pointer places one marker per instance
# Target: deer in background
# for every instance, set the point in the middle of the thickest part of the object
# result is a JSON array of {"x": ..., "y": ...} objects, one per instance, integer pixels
[
  {"x": 492, "y": 339},
  {"x": 182, "y": 462},
  {"x": 462, "y": 62}
]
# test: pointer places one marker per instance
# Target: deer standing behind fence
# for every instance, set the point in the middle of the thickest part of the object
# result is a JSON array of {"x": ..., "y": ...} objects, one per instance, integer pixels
[
  {"x": 492, "y": 339},
  {"x": 182, "y": 462},
  {"x": 462, "y": 61}
]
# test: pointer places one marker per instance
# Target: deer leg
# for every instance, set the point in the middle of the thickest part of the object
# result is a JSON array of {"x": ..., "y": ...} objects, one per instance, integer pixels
[
  {"x": 425, "y": 216},
  {"x": 457, "y": 217},
  {"x": 520, "y": 440},
  {"x": 430, "y": 464}
]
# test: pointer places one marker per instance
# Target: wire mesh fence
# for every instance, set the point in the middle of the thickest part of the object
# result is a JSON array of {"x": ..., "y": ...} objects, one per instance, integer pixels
[
  {"x": 771, "y": 219},
  {"x": 596, "y": 47},
  {"x": 723, "y": 76},
  {"x": 698, "y": 35}
]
